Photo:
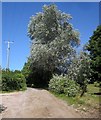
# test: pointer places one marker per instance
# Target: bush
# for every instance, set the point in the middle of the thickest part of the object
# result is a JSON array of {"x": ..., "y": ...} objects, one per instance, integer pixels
[
  {"x": 71, "y": 89},
  {"x": 60, "y": 84},
  {"x": 57, "y": 84},
  {"x": 13, "y": 81},
  {"x": 97, "y": 84}
]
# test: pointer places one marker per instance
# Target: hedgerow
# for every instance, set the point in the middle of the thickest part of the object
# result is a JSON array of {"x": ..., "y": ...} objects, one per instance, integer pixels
[{"x": 13, "y": 81}]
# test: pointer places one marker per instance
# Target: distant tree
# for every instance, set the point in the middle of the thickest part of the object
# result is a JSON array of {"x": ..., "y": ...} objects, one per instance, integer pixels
[
  {"x": 94, "y": 48},
  {"x": 53, "y": 39},
  {"x": 25, "y": 70},
  {"x": 17, "y": 71}
]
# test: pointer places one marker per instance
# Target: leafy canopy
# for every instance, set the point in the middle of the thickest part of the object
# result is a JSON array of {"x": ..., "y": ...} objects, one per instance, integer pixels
[
  {"x": 53, "y": 37},
  {"x": 94, "y": 47},
  {"x": 53, "y": 40}
]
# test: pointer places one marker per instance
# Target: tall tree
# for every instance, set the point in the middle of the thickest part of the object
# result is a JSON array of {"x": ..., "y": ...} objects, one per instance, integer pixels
[
  {"x": 53, "y": 38},
  {"x": 94, "y": 47}
]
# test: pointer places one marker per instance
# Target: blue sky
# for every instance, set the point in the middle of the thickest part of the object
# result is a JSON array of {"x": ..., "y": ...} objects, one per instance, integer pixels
[{"x": 15, "y": 19}]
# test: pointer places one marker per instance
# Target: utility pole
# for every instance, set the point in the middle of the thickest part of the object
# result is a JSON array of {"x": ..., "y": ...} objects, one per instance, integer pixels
[{"x": 8, "y": 52}]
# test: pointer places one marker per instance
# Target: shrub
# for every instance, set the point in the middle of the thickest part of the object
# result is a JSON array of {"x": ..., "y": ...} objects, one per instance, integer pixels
[
  {"x": 97, "y": 84},
  {"x": 13, "y": 81},
  {"x": 57, "y": 84},
  {"x": 60, "y": 84},
  {"x": 71, "y": 88}
]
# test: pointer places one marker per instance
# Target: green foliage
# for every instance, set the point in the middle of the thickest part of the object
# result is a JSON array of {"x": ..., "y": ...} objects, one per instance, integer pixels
[
  {"x": 39, "y": 77},
  {"x": 53, "y": 39},
  {"x": 94, "y": 47},
  {"x": 13, "y": 81},
  {"x": 97, "y": 84},
  {"x": 36, "y": 77},
  {"x": 71, "y": 89},
  {"x": 57, "y": 84},
  {"x": 88, "y": 101},
  {"x": 79, "y": 69},
  {"x": 60, "y": 84},
  {"x": 50, "y": 24},
  {"x": 26, "y": 71}
]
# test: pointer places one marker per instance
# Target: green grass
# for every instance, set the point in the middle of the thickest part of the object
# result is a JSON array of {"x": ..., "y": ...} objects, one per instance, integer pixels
[
  {"x": 12, "y": 91},
  {"x": 92, "y": 89},
  {"x": 89, "y": 100}
]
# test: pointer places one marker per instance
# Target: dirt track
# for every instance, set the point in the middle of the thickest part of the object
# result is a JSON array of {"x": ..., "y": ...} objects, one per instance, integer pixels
[{"x": 35, "y": 103}]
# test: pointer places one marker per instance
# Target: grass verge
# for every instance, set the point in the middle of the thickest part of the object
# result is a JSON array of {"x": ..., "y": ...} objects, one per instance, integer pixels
[{"x": 87, "y": 103}]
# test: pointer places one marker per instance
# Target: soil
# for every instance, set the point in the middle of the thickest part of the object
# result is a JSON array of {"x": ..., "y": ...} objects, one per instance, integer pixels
[
  {"x": 36, "y": 103},
  {"x": 40, "y": 103}
]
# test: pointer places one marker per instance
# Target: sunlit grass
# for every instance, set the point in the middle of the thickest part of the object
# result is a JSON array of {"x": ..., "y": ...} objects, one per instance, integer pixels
[{"x": 89, "y": 100}]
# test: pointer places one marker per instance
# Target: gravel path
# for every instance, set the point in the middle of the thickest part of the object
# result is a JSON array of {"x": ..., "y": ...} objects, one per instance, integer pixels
[{"x": 36, "y": 103}]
